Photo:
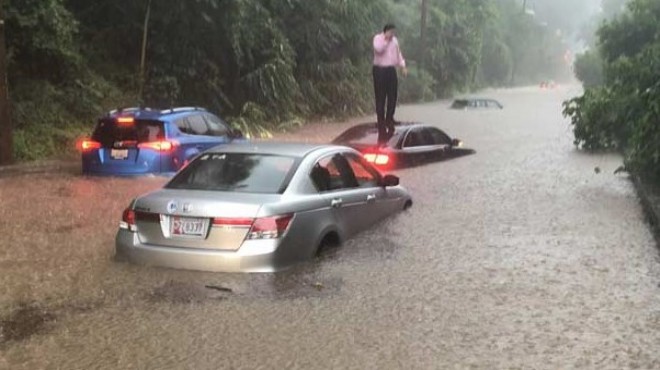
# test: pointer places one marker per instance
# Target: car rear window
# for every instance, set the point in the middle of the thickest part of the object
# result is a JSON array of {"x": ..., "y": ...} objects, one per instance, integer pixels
[
  {"x": 364, "y": 136},
  {"x": 460, "y": 104},
  {"x": 108, "y": 132},
  {"x": 237, "y": 172}
]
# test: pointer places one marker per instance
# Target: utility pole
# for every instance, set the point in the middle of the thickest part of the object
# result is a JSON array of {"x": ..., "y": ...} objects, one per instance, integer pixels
[
  {"x": 143, "y": 55},
  {"x": 6, "y": 139},
  {"x": 422, "y": 34},
  {"x": 524, "y": 6}
]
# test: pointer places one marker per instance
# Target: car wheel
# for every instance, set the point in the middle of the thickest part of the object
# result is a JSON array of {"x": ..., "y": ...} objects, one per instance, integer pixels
[
  {"x": 330, "y": 240},
  {"x": 407, "y": 205}
]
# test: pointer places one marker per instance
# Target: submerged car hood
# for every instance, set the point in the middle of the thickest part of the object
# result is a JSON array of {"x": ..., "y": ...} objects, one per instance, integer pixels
[{"x": 198, "y": 203}]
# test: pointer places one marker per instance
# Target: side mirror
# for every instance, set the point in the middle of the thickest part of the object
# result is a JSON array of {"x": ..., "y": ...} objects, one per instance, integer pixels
[
  {"x": 456, "y": 143},
  {"x": 237, "y": 134},
  {"x": 390, "y": 181}
]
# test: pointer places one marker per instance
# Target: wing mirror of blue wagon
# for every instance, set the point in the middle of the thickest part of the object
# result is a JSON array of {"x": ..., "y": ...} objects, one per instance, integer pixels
[
  {"x": 456, "y": 143},
  {"x": 390, "y": 181},
  {"x": 237, "y": 134}
]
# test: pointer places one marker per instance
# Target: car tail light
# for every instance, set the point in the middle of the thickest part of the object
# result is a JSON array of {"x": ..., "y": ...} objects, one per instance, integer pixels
[
  {"x": 159, "y": 146},
  {"x": 86, "y": 145},
  {"x": 260, "y": 228},
  {"x": 128, "y": 220},
  {"x": 379, "y": 159},
  {"x": 270, "y": 227},
  {"x": 382, "y": 159}
]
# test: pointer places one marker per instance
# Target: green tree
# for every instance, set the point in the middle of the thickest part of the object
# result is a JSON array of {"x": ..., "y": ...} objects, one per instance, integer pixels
[{"x": 624, "y": 113}]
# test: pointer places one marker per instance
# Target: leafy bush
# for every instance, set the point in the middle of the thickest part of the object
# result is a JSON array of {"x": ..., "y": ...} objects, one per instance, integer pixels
[
  {"x": 417, "y": 87},
  {"x": 624, "y": 114},
  {"x": 589, "y": 69}
]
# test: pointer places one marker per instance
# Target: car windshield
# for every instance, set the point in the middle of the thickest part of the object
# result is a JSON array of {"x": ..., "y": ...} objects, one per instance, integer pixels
[
  {"x": 362, "y": 135},
  {"x": 236, "y": 172},
  {"x": 109, "y": 131},
  {"x": 460, "y": 104}
]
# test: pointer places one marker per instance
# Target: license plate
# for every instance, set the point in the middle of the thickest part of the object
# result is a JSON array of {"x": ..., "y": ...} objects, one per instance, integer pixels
[
  {"x": 188, "y": 226},
  {"x": 119, "y": 153}
]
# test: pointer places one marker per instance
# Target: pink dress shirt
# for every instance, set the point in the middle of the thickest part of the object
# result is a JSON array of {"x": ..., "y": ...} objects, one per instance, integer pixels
[{"x": 387, "y": 53}]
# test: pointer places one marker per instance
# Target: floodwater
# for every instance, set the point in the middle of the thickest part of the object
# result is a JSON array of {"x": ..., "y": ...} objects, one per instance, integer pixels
[{"x": 528, "y": 254}]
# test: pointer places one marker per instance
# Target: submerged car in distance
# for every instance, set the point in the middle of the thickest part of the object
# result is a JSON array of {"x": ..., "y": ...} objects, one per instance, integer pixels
[
  {"x": 476, "y": 103},
  {"x": 140, "y": 141},
  {"x": 257, "y": 207},
  {"x": 409, "y": 144}
]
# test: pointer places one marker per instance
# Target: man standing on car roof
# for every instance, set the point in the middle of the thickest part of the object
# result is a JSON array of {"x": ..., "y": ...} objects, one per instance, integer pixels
[{"x": 387, "y": 58}]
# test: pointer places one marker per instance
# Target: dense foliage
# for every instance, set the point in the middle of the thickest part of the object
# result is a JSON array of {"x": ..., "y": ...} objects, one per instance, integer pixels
[
  {"x": 624, "y": 113},
  {"x": 589, "y": 68},
  {"x": 267, "y": 65}
]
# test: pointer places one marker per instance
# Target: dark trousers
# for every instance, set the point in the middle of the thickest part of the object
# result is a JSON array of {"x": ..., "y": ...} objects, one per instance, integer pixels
[{"x": 386, "y": 86}]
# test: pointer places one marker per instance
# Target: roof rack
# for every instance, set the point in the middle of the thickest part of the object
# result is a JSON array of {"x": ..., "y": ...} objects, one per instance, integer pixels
[{"x": 182, "y": 109}]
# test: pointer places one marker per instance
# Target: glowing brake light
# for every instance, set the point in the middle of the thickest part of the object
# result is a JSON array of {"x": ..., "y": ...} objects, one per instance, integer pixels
[
  {"x": 382, "y": 159},
  {"x": 87, "y": 144},
  {"x": 159, "y": 146},
  {"x": 125, "y": 120},
  {"x": 378, "y": 159}
]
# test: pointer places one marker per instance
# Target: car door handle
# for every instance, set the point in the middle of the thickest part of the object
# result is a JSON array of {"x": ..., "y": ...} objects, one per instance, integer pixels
[
  {"x": 336, "y": 203},
  {"x": 371, "y": 198}
]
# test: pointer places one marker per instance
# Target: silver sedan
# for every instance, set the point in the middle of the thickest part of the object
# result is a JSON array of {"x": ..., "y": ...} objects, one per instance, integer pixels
[{"x": 257, "y": 207}]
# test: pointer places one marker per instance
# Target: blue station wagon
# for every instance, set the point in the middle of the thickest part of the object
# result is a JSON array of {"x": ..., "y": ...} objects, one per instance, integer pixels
[{"x": 139, "y": 141}]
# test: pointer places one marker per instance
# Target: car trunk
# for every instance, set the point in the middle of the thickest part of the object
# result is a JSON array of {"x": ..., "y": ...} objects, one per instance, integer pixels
[
  {"x": 122, "y": 145},
  {"x": 198, "y": 219}
]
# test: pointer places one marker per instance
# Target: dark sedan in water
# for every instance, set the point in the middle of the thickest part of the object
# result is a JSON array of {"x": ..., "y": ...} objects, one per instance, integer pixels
[{"x": 407, "y": 144}]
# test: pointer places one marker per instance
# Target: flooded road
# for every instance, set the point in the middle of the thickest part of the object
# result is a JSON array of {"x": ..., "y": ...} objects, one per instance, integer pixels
[{"x": 520, "y": 256}]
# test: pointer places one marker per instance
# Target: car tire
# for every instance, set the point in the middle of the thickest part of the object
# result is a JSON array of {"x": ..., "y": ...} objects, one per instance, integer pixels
[{"x": 330, "y": 240}]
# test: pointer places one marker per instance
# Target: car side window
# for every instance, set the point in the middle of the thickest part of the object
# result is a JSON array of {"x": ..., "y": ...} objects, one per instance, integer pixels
[
  {"x": 417, "y": 137},
  {"x": 332, "y": 173},
  {"x": 183, "y": 126},
  {"x": 365, "y": 176},
  {"x": 198, "y": 124},
  {"x": 216, "y": 126},
  {"x": 438, "y": 137}
]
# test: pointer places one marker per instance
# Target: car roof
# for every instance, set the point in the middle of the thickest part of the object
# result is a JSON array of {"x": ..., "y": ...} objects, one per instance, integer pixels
[
  {"x": 272, "y": 148},
  {"x": 475, "y": 99},
  {"x": 398, "y": 127},
  {"x": 149, "y": 113}
]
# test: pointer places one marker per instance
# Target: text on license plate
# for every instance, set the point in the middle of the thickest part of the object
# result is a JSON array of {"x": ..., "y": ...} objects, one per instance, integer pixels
[
  {"x": 188, "y": 226},
  {"x": 119, "y": 153}
]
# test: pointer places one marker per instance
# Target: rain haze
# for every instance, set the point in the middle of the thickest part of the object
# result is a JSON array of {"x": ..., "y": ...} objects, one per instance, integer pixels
[{"x": 373, "y": 184}]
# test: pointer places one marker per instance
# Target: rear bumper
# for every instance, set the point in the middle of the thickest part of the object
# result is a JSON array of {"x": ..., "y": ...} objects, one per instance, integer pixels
[
  {"x": 126, "y": 174},
  {"x": 94, "y": 164},
  {"x": 253, "y": 256}
]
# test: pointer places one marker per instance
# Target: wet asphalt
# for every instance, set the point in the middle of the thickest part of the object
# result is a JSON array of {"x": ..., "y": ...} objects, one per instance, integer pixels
[{"x": 526, "y": 255}]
